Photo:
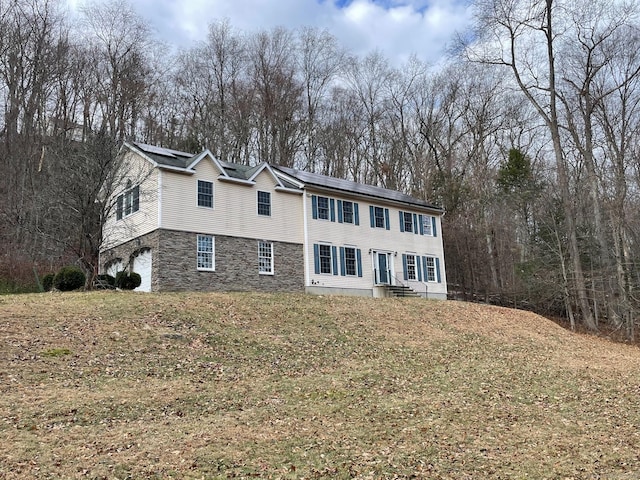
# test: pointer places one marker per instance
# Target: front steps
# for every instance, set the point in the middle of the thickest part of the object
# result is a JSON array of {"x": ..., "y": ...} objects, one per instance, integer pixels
[{"x": 401, "y": 291}]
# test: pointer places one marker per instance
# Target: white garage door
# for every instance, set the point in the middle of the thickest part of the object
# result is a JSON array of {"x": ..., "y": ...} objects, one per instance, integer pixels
[
  {"x": 142, "y": 266},
  {"x": 115, "y": 267}
]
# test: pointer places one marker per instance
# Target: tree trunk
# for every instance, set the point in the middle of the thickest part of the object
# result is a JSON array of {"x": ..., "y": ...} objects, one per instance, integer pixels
[{"x": 563, "y": 181}]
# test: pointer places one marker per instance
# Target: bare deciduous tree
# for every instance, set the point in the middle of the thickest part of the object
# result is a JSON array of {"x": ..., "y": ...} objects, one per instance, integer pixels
[{"x": 521, "y": 36}]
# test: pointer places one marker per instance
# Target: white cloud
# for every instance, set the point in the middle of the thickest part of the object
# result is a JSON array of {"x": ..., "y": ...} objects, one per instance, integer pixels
[
  {"x": 398, "y": 28},
  {"x": 405, "y": 28}
]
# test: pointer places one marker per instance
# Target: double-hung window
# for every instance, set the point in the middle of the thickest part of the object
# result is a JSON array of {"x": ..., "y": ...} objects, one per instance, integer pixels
[
  {"x": 430, "y": 269},
  {"x": 350, "y": 261},
  {"x": 326, "y": 262},
  {"x": 407, "y": 219},
  {"x": 427, "y": 225},
  {"x": 264, "y": 203},
  {"x": 128, "y": 202},
  {"x": 347, "y": 212},
  {"x": 323, "y": 208},
  {"x": 205, "y": 194},
  {"x": 325, "y": 258},
  {"x": 411, "y": 268},
  {"x": 265, "y": 258},
  {"x": 205, "y": 252},
  {"x": 379, "y": 217}
]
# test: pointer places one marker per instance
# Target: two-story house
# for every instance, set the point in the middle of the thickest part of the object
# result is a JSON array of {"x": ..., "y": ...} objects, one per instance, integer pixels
[{"x": 192, "y": 222}]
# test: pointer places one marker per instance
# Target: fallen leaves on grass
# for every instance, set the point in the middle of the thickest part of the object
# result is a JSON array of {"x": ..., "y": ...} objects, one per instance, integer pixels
[{"x": 295, "y": 386}]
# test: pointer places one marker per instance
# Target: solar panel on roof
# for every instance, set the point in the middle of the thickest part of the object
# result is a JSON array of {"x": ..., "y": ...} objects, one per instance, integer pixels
[
  {"x": 155, "y": 150},
  {"x": 166, "y": 152},
  {"x": 179, "y": 153},
  {"x": 355, "y": 187}
]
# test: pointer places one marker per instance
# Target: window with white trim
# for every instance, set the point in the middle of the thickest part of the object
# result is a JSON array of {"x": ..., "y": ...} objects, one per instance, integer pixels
[
  {"x": 407, "y": 219},
  {"x": 430, "y": 272},
  {"x": 350, "y": 264},
  {"x": 205, "y": 194},
  {"x": 265, "y": 258},
  {"x": 325, "y": 258},
  {"x": 128, "y": 202},
  {"x": 323, "y": 208},
  {"x": 264, "y": 203},
  {"x": 347, "y": 212},
  {"x": 378, "y": 215},
  {"x": 205, "y": 249},
  {"x": 427, "y": 222},
  {"x": 411, "y": 267}
]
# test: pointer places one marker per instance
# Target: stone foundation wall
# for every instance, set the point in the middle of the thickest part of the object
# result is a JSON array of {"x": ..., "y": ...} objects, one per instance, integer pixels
[
  {"x": 128, "y": 250},
  {"x": 174, "y": 263}
]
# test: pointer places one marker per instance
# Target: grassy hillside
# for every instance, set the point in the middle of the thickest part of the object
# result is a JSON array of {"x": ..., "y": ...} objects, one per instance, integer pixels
[{"x": 122, "y": 385}]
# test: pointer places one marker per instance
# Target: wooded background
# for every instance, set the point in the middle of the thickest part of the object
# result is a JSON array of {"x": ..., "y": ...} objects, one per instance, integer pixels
[{"x": 527, "y": 136}]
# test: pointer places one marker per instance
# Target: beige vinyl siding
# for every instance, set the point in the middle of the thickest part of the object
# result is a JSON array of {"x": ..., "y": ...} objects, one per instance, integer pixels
[
  {"x": 141, "y": 172},
  {"x": 234, "y": 210},
  {"x": 367, "y": 238},
  {"x": 179, "y": 193}
]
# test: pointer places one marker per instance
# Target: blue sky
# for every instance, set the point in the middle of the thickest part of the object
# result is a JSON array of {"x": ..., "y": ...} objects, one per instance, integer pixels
[{"x": 398, "y": 28}]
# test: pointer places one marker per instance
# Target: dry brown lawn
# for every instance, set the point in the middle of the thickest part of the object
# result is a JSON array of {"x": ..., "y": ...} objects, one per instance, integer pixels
[{"x": 122, "y": 385}]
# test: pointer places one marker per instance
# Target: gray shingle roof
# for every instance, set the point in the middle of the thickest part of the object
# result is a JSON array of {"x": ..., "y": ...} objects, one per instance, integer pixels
[
  {"x": 165, "y": 156},
  {"x": 236, "y": 170},
  {"x": 174, "y": 158},
  {"x": 324, "y": 181}
]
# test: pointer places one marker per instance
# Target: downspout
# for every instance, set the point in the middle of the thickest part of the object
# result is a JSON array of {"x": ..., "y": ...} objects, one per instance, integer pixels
[
  {"x": 307, "y": 270},
  {"x": 154, "y": 257},
  {"x": 159, "y": 197}
]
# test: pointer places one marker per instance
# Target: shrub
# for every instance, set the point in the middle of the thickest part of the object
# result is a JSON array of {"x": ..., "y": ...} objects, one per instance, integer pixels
[
  {"x": 69, "y": 278},
  {"x": 105, "y": 281},
  {"x": 128, "y": 280},
  {"x": 47, "y": 282}
]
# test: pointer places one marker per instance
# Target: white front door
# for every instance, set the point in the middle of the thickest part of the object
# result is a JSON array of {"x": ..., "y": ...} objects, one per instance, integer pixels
[{"x": 142, "y": 266}]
